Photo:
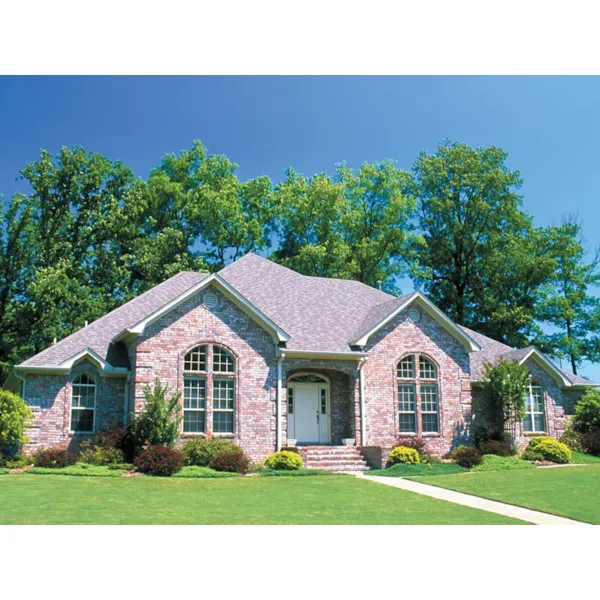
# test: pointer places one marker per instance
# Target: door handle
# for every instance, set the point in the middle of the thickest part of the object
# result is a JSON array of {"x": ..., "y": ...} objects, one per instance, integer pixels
[{"x": 318, "y": 421}]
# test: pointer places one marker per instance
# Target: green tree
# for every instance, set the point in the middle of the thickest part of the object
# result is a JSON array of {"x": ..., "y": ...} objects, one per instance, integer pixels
[
  {"x": 568, "y": 303},
  {"x": 476, "y": 258},
  {"x": 15, "y": 416},
  {"x": 587, "y": 412},
  {"x": 353, "y": 225},
  {"x": 503, "y": 398}
]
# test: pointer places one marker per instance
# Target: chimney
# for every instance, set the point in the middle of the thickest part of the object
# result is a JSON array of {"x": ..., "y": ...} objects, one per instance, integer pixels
[
  {"x": 85, "y": 324},
  {"x": 54, "y": 341},
  {"x": 379, "y": 284}
]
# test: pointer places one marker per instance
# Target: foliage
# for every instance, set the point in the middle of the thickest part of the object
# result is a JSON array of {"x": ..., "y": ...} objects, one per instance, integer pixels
[
  {"x": 414, "y": 470},
  {"x": 78, "y": 469},
  {"x": 545, "y": 448},
  {"x": 571, "y": 438},
  {"x": 157, "y": 424},
  {"x": 497, "y": 447},
  {"x": 15, "y": 416},
  {"x": 54, "y": 458},
  {"x": 402, "y": 454},
  {"x": 467, "y": 457},
  {"x": 202, "y": 473},
  {"x": 231, "y": 461},
  {"x": 159, "y": 460},
  {"x": 584, "y": 459},
  {"x": 99, "y": 455},
  {"x": 416, "y": 442},
  {"x": 590, "y": 442},
  {"x": 299, "y": 473},
  {"x": 350, "y": 226},
  {"x": 493, "y": 462},
  {"x": 200, "y": 451},
  {"x": 568, "y": 303},
  {"x": 587, "y": 412},
  {"x": 503, "y": 392},
  {"x": 284, "y": 461},
  {"x": 480, "y": 259},
  {"x": 17, "y": 461}
]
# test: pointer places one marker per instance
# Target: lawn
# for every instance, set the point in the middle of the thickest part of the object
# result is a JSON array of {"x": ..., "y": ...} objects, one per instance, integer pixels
[
  {"x": 566, "y": 491},
  {"x": 342, "y": 500}
]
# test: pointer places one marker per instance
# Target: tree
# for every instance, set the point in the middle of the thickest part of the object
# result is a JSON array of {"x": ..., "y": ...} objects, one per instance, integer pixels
[
  {"x": 587, "y": 412},
  {"x": 351, "y": 226},
  {"x": 567, "y": 303},
  {"x": 503, "y": 398},
  {"x": 477, "y": 259},
  {"x": 157, "y": 424},
  {"x": 14, "y": 420}
]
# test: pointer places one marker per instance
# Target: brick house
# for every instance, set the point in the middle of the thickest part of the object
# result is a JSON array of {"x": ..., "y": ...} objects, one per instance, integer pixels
[{"x": 264, "y": 355}]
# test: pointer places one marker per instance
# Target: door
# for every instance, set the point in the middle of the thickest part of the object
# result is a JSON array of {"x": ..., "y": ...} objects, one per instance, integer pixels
[{"x": 307, "y": 411}]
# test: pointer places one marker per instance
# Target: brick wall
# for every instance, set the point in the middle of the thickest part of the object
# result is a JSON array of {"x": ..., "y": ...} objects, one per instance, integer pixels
[{"x": 400, "y": 337}]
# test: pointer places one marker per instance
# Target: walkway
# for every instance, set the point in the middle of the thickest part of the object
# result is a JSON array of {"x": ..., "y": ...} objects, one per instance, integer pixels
[{"x": 508, "y": 510}]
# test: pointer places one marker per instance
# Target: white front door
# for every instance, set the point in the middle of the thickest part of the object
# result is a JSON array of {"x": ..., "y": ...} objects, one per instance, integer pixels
[{"x": 307, "y": 412}]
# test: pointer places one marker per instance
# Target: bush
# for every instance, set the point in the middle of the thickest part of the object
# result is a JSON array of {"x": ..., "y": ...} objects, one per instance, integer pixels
[
  {"x": 546, "y": 448},
  {"x": 200, "y": 451},
  {"x": 284, "y": 461},
  {"x": 17, "y": 461},
  {"x": 497, "y": 447},
  {"x": 117, "y": 436},
  {"x": 587, "y": 412},
  {"x": 100, "y": 455},
  {"x": 467, "y": 457},
  {"x": 404, "y": 455},
  {"x": 157, "y": 424},
  {"x": 416, "y": 443},
  {"x": 14, "y": 420},
  {"x": 493, "y": 462},
  {"x": 54, "y": 458},
  {"x": 159, "y": 460},
  {"x": 202, "y": 473},
  {"x": 571, "y": 438},
  {"x": 590, "y": 442},
  {"x": 231, "y": 461}
]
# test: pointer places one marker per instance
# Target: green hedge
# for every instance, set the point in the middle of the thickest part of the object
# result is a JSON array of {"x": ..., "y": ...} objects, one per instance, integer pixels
[
  {"x": 80, "y": 469},
  {"x": 404, "y": 470},
  {"x": 194, "y": 471},
  {"x": 492, "y": 462}
]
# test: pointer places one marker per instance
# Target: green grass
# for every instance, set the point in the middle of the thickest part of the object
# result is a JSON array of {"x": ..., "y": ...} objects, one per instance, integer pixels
[
  {"x": 569, "y": 492},
  {"x": 491, "y": 462},
  {"x": 402, "y": 470},
  {"x": 79, "y": 469},
  {"x": 299, "y": 473},
  {"x": 202, "y": 473},
  {"x": 581, "y": 458},
  {"x": 3, "y": 471},
  {"x": 342, "y": 500}
]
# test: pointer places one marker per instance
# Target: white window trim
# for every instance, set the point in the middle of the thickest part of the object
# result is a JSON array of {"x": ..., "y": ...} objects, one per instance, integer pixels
[
  {"x": 531, "y": 413},
  {"x": 413, "y": 384},
  {"x": 72, "y": 408},
  {"x": 220, "y": 377},
  {"x": 198, "y": 378}
]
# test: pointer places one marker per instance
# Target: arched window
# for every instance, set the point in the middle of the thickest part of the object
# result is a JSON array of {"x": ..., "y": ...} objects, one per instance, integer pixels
[
  {"x": 208, "y": 369},
  {"x": 534, "y": 421},
  {"x": 83, "y": 404},
  {"x": 418, "y": 395}
]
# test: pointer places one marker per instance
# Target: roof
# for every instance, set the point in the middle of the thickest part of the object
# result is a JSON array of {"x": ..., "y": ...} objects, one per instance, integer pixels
[{"x": 316, "y": 314}]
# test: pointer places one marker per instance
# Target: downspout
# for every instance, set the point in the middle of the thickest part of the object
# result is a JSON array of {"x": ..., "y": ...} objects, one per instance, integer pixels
[
  {"x": 361, "y": 379},
  {"x": 23, "y": 380},
  {"x": 126, "y": 402},
  {"x": 278, "y": 407}
]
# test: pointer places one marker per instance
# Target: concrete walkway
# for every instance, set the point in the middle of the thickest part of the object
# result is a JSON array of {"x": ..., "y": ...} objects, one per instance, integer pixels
[{"x": 508, "y": 510}]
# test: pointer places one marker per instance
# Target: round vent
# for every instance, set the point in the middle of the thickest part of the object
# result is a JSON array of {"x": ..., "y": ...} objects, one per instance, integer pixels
[
  {"x": 210, "y": 300},
  {"x": 414, "y": 315}
]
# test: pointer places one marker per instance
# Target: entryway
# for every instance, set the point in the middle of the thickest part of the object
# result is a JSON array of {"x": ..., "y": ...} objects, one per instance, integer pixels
[{"x": 308, "y": 409}]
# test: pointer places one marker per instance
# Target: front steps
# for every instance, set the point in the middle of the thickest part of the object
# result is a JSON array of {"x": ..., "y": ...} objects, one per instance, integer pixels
[{"x": 338, "y": 459}]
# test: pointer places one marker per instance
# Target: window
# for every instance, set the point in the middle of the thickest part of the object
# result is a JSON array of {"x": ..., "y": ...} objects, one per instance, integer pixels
[
  {"x": 195, "y": 359},
  {"x": 194, "y": 404},
  {"x": 83, "y": 404},
  {"x": 290, "y": 401},
  {"x": 214, "y": 388},
  {"x": 534, "y": 421},
  {"x": 418, "y": 395}
]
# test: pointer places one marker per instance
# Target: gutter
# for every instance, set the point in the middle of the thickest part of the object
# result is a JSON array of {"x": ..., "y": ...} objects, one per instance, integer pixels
[
  {"x": 278, "y": 407},
  {"x": 24, "y": 381}
]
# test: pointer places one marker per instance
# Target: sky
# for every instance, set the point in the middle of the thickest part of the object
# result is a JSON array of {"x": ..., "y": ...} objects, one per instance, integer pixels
[{"x": 550, "y": 127}]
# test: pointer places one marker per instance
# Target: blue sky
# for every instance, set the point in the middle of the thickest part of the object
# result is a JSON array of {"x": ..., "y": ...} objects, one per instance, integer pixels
[{"x": 550, "y": 126}]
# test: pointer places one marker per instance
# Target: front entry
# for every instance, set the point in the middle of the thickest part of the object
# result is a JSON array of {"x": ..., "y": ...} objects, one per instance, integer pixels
[{"x": 308, "y": 412}]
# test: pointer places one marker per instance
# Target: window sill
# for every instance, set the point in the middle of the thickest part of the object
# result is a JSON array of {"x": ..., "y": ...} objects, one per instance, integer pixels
[
  {"x": 193, "y": 434},
  {"x": 224, "y": 435},
  {"x": 534, "y": 433},
  {"x": 81, "y": 433}
]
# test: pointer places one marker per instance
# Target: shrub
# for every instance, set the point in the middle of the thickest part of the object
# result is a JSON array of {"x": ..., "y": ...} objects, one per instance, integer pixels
[
  {"x": 17, "y": 461},
  {"x": 159, "y": 460},
  {"x": 284, "y": 461},
  {"x": 117, "y": 436},
  {"x": 587, "y": 412},
  {"x": 200, "y": 451},
  {"x": 590, "y": 442},
  {"x": 157, "y": 424},
  {"x": 231, "y": 461},
  {"x": 467, "y": 457},
  {"x": 493, "y": 462},
  {"x": 497, "y": 447},
  {"x": 54, "y": 458},
  {"x": 99, "y": 455},
  {"x": 416, "y": 443},
  {"x": 14, "y": 420},
  {"x": 546, "y": 448},
  {"x": 404, "y": 455},
  {"x": 571, "y": 438}
]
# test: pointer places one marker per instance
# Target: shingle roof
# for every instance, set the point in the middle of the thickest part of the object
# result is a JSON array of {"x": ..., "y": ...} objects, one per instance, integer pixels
[
  {"x": 318, "y": 313},
  {"x": 97, "y": 335}
]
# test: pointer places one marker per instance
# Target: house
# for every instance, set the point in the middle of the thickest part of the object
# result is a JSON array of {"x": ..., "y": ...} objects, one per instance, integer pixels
[{"x": 263, "y": 355}]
